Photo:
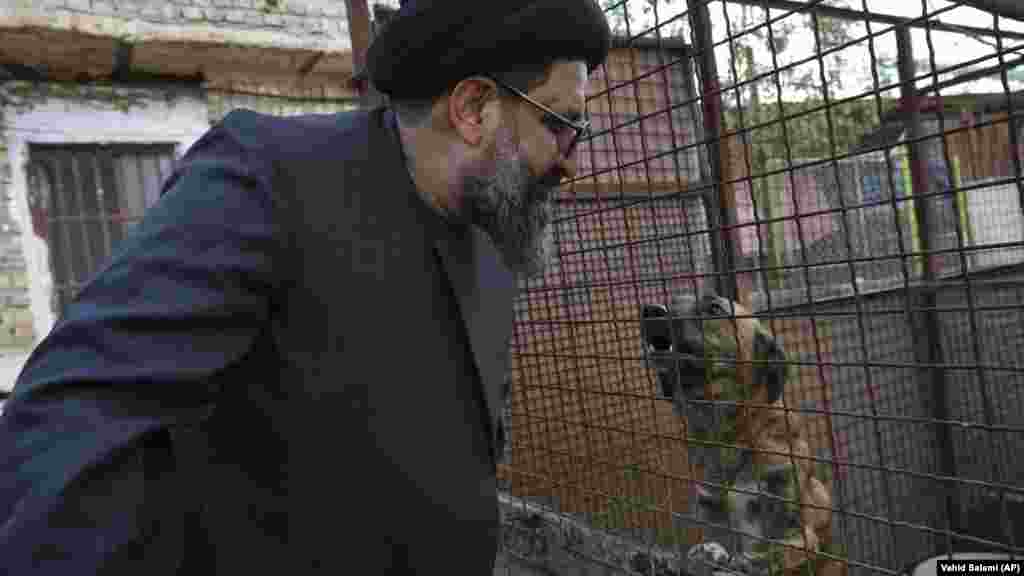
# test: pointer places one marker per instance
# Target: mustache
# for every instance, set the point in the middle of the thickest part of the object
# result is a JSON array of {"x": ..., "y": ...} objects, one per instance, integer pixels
[
  {"x": 550, "y": 180},
  {"x": 540, "y": 190}
]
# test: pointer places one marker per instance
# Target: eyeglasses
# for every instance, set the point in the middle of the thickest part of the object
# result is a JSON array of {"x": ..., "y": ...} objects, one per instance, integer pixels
[{"x": 567, "y": 133}]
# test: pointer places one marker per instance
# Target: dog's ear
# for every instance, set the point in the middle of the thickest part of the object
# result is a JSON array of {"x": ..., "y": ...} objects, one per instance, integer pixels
[{"x": 771, "y": 376}]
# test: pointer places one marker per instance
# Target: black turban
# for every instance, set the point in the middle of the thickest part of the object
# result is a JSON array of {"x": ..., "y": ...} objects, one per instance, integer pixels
[{"x": 432, "y": 44}]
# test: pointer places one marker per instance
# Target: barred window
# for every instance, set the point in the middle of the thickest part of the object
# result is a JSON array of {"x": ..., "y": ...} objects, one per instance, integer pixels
[{"x": 85, "y": 199}]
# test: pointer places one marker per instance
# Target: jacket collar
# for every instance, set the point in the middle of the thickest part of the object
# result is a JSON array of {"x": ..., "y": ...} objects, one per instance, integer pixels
[{"x": 484, "y": 287}]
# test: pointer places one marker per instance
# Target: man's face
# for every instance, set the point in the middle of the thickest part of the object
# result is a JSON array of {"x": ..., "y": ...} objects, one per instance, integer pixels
[{"x": 511, "y": 198}]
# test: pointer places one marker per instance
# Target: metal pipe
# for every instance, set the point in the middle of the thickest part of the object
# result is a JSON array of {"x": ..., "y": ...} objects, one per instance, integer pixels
[
  {"x": 928, "y": 347},
  {"x": 720, "y": 206},
  {"x": 1007, "y": 8},
  {"x": 861, "y": 15},
  {"x": 971, "y": 76},
  {"x": 359, "y": 30}
]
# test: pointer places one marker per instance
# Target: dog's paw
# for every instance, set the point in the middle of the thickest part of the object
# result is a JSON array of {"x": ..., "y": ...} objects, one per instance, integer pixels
[{"x": 709, "y": 552}]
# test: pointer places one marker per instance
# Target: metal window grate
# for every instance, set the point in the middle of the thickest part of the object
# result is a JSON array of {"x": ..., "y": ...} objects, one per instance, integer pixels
[
  {"x": 852, "y": 170},
  {"x": 85, "y": 199}
]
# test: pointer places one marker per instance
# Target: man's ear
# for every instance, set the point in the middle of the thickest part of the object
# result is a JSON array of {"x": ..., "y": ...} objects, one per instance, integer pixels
[
  {"x": 468, "y": 114},
  {"x": 771, "y": 376}
]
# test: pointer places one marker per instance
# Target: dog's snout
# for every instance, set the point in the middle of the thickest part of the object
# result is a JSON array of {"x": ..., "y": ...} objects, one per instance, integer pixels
[
  {"x": 660, "y": 343},
  {"x": 654, "y": 311}
]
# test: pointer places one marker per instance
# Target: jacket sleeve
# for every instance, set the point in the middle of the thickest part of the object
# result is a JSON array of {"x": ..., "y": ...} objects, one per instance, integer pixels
[{"x": 183, "y": 297}]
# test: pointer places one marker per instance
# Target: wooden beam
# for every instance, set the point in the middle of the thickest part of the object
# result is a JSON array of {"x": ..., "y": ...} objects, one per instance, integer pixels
[{"x": 311, "y": 63}]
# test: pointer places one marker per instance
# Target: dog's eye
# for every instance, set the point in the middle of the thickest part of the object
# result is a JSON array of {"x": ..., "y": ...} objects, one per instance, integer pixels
[{"x": 717, "y": 309}]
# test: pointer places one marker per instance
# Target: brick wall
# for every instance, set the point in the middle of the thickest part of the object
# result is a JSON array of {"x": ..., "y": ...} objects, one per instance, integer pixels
[
  {"x": 301, "y": 18},
  {"x": 16, "y": 327}
]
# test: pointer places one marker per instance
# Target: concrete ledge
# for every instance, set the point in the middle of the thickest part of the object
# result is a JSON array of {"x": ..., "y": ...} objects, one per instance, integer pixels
[{"x": 536, "y": 540}]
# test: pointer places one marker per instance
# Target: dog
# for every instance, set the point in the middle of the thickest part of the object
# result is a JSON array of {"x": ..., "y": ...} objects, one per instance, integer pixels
[{"x": 725, "y": 374}]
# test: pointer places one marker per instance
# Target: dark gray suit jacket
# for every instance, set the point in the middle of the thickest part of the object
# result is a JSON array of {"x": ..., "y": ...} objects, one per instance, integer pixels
[{"x": 291, "y": 365}]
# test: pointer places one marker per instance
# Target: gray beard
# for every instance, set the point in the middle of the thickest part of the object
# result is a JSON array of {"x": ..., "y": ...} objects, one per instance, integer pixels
[{"x": 515, "y": 211}]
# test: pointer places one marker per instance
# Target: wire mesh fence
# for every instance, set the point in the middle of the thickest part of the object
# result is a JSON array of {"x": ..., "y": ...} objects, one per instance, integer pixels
[{"x": 848, "y": 173}]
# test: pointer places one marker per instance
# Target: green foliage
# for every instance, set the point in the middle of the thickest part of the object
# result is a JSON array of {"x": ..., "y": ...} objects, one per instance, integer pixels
[
  {"x": 808, "y": 136},
  {"x": 805, "y": 131},
  {"x": 1015, "y": 74},
  {"x": 25, "y": 95},
  {"x": 271, "y": 5},
  {"x": 791, "y": 491},
  {"x": 824, "y": 472},
  {"x": 619, "y": 508},
  {"x": 773, "y": 553},
  {"x": 670, "y": 537},
  {"x": 728, "y": 496},
  {"x": 812, "y": 568}
]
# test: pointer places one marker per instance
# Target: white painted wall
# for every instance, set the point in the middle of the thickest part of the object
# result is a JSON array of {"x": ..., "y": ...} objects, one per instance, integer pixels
[
  {"x": 995, "y": 218},
  {"x": 180, "y": 119}
]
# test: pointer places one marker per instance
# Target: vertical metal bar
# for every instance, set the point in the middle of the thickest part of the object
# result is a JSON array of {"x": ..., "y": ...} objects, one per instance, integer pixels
[
  {"x": 102, "y": 198},
  {"x": 703, "y": 163},
  {"x": 361, "y": 34},
  {"x": 665, "y": 73},
  {"x": 720, "y": 207},
  {"x": 928, "y": 344},
  {"x": 862, "y": 329},
  {"x": 140, "y": 171},
  {"x": 749, "y": 168},
  {"x": 61, "y": 217},
  {"x": 164, "y": 168},
  {"x": 576, "y": 345},
  {"x": 126, "y": 205},
  {"x": 889, "y": 168},
  {"x": 81, "y": 217},
  {"x": 604, "y": 390},
  {"x": 112, "y": 197},
  {"x": 644, "y": 149},
  {"x": 154, "y": 177},
  {"x": 1012, "y": 127},
  {"x": 690, "y": 93},
  {"x": 691, "y": 469},
  {"x": 604, "y": 480},
  {"x": 812, "y": 316}
]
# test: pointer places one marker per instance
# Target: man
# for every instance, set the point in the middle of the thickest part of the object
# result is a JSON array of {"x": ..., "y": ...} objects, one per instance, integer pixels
[{"x": 295, "y": 364}]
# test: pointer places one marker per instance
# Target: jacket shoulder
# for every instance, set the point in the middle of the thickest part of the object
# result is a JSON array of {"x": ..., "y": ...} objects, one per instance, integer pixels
[{"x": 279, "y": 135}]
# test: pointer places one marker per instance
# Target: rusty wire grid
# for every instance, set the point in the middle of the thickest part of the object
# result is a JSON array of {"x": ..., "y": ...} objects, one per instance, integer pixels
[{"x": 850, "y": 171}]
